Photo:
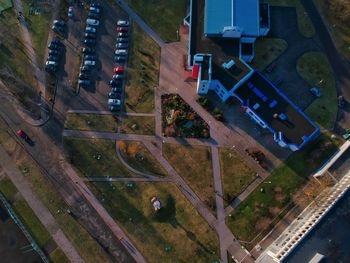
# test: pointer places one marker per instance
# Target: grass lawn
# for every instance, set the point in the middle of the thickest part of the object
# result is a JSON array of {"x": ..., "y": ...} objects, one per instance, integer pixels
[
  {"x": 235, "y": 174},
  {"x": 315, "y": 69},
  {"x": 39, "y": 26},
  {"x": 57, "y": 256},
  {"x": 86, "y": 246},
  {"x": 336, "y": 14},
  {"x": 95, "y": 157},
  {"x": 32, "y": 222},
  {"x": 163, "y": 16},
  {"x": 267, "y": 50},
  {"x": 255, "y": 214},
  {"x": 177, "y": 227},
  {"x": 193, "y": 163},
  {"x": 139, "y": 158},
  {"x": 143, "y": 71},
  {"x": 305, "y": 25},
  {"x": 8, "y": 189},
  {"x": 4, "y": 4},
  {"x": 138, "y": 125},
  {"x": 90, "y": 122}
]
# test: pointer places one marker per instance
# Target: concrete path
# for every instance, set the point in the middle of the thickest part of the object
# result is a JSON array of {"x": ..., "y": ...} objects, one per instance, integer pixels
[
  {"x": 100, "y": 112},
  {"x": 132, "y": 14},
  {"x": 38, "y": 207},
  {"x": 128, "y": 179},
  {"x": 38, "y": 73}
]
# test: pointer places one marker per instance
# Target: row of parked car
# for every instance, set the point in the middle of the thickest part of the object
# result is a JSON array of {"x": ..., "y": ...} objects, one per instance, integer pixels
[
  {"x": 89, "y": 41},
  {"x": 121, "y": 52},
  {"x": 54, "y": 53}
]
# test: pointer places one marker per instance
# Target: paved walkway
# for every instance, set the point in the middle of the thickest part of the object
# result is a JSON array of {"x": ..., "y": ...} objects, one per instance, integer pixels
[
  {"x": 39, "y": 76},
  {"x": 38, "y": 207},
  {"x": 128, "y": 179}
]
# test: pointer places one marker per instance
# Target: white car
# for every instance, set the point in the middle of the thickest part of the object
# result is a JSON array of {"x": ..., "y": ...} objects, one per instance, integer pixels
[
  {"x": 114, "y": 102},
  {"x": 90, "y": 63},
  {"x": 122, "y": 23},
  {"x": 90, "y": 29},
  {"x": 92, "y": 22},
  {"x": 51, "y": 63},
  {"x": 95, "y": 10},
  {"x": 121, "y": 52}
]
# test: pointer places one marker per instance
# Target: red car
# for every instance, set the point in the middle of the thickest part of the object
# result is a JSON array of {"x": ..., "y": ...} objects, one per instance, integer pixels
[
  {"x": 25, "y": 137},
  {"x": 122, "y": 29},
  {"x": 118, "y": 70}
]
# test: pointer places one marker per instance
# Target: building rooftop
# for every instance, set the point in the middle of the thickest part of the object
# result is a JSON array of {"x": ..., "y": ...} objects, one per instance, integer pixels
[
  {"x": 275, "y": 109},
  {"x": 242, "y": 15}
]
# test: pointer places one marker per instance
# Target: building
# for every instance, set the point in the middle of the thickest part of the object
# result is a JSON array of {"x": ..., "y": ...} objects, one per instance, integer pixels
[{"x": 221, "y": 34}]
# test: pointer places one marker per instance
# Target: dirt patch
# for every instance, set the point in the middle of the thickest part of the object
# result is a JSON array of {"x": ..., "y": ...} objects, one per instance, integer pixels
[
  {"x": 262, "y": 223},
  {"x": 280, "y": 197},
  {"x": 274, "y": 211}
]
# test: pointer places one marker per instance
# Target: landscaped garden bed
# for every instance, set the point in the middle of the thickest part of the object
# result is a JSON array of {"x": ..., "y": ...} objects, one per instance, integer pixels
[{"x": 180, "y": 120}]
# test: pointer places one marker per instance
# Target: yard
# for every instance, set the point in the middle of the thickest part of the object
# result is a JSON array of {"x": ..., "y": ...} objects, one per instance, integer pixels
[
  {"x": 315, "y": 69},
  {"x": 143, "y": 71},
  {"x": 259, "y": 212},
  {"x": 267, "y": 50},
  {"x": 180, "y": 120},
  {"x": 138, "y": 125},
  {"x": 193, "y": 163},
  {"x": 139, "y": 158},
  {"x": 235, "y": 174},
  {"x": 163, "y": 16},
  {"x": 177, "y": 233},
  {"x": 91, "y": 122},
  {"x": 95, "y": 157},
  {"x": 305, "y": 25}
]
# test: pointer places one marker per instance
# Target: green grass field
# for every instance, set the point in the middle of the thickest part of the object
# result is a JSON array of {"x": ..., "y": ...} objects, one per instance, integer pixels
[
  {"x": 5, "y": 4},
  {"x": 235, "y": 174},
  {"x": 305, "y": 25},
  {"x": 95, "y": 157},
  {"x": 90, "y": 122},
  {"x": 193, "y": 163},
  {"x": 143, "y": 71},
  {"x": 177, "y": 233},
  {"x": 8, "y": 189},
  {"x": 316, "y": 70},
  {"x": 256, "y": 213},
  {"x": 163, "y": 16},
  {"x": 139, "y": 158},
  {"x": 267, "y": 50},
  {"x": 57, "y": 256},
  {"x": 138, "y": 125}
]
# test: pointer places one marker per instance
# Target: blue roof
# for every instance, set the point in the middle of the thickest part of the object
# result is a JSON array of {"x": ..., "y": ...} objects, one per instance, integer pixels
[{"x": 242, "y": 14}]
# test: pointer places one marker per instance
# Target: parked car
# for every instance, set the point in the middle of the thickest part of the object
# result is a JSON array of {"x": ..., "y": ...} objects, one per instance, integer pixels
[
  {"x": 119, "y": 70},
  {"x": 121, "y": 45},
  {"x": 270, "y": 68},
  {"x": 83, "y": 76},
  {"x": 122, "y": 40},
  {"x": 122, "y": 23},
  {"x": 88, "y": 50},
  {"x": 97, "y": 5},
  {"x": 90, "y": 63},
  {"x": 114, "y": 82},
  {"x": 52, "y": 58},
  {"x": 113, "y": 95},
  {"x": 95, "y": 10},
  {"x": 116, "y": 90},
  {"x": 25, "y": 137},
  {"x": 84, "y": 82},
  {"x": 56, "y": 40},
  {"x": 53, "y": 52},
  {"x": 92, "y": 22},
  {"x": 114, "y": 102},
  {"x": 53, "y": 46},
  {"x": 114, "y": 108},
  {"x": 122, "y": 34},
  {"x": 58, "y": 23},
  {"x": 89, "y": 41},
  {"x": 51, "y": 68},
  {"x": 117, "y": 76},
  {"x": 85, "y": 68},
  {"x": 51, "y": 63},
  {"x": 70, "y": 11},
  {"x": 90, "y": 35},
  {"x": 90, "y": 57},
  {"x": 121, "y": 52},
  {"x": 119, "y": 59},
  {"x": 90, "y": 29},
  {"x": 122, "y": 29},
  {"x": 93, "y": 15},
  {"x": 341, "y": 101},
  {"x": 316, "y": 92}
]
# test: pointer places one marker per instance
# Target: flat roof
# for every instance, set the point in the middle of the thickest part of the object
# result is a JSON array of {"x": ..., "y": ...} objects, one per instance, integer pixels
[
  {"x": 242, "y": 14},
  {"x": 259, "y": 93}
]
